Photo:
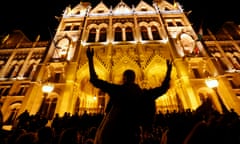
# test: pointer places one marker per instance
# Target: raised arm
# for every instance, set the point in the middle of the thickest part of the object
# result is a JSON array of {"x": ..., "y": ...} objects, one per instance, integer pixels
[
  {"x": 158, "y": 91},
  {"x": 99, "y": 83},
  {"x": 90, "y": 54}
]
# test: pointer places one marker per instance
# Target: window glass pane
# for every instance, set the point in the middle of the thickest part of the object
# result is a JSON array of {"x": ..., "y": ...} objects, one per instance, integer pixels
[
  {"x": 103, "y": 35},
  {"x": 118, "y": 34},
  {"x": 155, "y": 33},
  {"x": 67, "y": 28},
  {"x": 92, "y": 35},
  {"x": 129, "y": 34},
  {"x": 144, "y": 33}
]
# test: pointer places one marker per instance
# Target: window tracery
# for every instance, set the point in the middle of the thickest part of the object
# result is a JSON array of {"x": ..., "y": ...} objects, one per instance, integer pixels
[
  {"x": 72, "y": 26},
  {"x": 92, "y": 35},
  {"x": 63, "y": 49},
  {"x": 155, "y": 33},
  {"x": 103, "y": 34},
  {"x": 144, "y": 33},
  {"x": 129, "y": 34},
  {"x": 174, "y": 22},
  {"x": 118, "y": 34}
]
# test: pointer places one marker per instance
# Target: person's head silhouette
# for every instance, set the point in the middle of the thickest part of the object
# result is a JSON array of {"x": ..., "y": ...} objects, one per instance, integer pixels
[{"x": 128, "y": 76}]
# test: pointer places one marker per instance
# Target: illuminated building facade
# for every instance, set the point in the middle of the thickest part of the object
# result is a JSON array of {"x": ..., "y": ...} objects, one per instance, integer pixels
[{"x": 140, "y": 38}]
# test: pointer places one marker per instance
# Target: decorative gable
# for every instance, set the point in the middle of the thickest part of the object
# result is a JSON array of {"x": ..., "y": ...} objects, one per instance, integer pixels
[
  {"x": 101, "y": 8},
  {"x": 164, "y": 5},
  {"x": 79, "y": 9},
  {"x": 122, "y": 8},
  {"x": 143, "y": 7}
]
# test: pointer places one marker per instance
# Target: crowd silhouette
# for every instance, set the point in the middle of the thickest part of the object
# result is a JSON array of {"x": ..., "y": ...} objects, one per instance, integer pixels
[
  {"x": 186, "y": 127},
  {"x": 122, "y": 122}
]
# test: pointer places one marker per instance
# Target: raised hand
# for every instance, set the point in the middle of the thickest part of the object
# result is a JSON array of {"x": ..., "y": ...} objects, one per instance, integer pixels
[
  {"x": 169, "y": 64},
  {"x": 90, "y": 53},
  {"x": 169, "y": 67}
]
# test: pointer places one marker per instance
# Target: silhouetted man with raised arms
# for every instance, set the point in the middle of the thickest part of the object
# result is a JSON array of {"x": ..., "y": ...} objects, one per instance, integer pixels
[{"x": 121, "y": 123}]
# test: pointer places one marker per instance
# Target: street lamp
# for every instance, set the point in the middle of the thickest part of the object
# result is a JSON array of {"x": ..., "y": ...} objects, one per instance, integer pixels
[
  {"x": 213, "y": 84},
  {"x": 46, "y": 89}
]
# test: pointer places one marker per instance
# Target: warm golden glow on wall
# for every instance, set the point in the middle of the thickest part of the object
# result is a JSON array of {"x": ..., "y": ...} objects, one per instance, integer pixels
[
  {"x": 47, "y": 87},
  {"x": 140, "y": 38},
  {"x": 211, "y": 83}
]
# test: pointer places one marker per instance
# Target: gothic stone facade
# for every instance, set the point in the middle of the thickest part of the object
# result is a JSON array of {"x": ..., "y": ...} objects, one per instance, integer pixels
[{"x": 140, "y": 38}]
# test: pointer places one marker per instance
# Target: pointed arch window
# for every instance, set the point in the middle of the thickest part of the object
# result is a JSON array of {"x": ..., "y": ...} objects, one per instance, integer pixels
[
  {"x": 62, "y": 48},
  {"x": 77, "y": 106},
  {"x": 155, "y": 33},
  {"x": 13, "y": 72},
  {"x": 144, "y": 33},
  {"x": 12, "y": 116},
  {"x": 196, "y": 72},
  {"x": 103, "y": 35},
  {"x": 4, "y": 91},
  {"x": 233, "y": 60},
  {"x": 129, "y": 34},
  {"x": 237, "y": 58},
  {"x": 221, "y": 63},
  {"x": 48, "y": 107},
  {"x": 22, "y": 90},
  {"x": 92, "y": 35},
  {"x": 8, "y": 75},
  {"x": 2, "y": 64},
  {"x": 30, "y": 71},
  {"x": 118, "y": 34}
]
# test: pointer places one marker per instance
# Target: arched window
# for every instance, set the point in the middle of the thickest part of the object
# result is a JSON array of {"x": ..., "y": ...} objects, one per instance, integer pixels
[
  {"x": 4, "y": 91},
  {"x": 22, "y": 90},
  {"x": 8, "y": 75},
  {"x": 118, "y": 34},
  {"x": 30, "y": 70},
  {"x": 221, "y": 63},
  {"x": 51, "y": 108},
  {"x": 129, "y": 34},
  {"x": 144, "y": 33},
  {"x": 12, "y": 111},
  {"x": 77, "y": 106},
  {"x": 92, "y": 35},
  {"x": 103, "y": 35},
  {"x": 48, "y": 107},
  {"x": 155, "y": 33},
  {"x": 12, "y": 116},
  {"x": 13, "y": 72},
  {"x": 233, "y": 60},
  {"x": 2, "y": 64},
  {"x": 61, "y": 49},
  {"x": 237, "y": 58}
]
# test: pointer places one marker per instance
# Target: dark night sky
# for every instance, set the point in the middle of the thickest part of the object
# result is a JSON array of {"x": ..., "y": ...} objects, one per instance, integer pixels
[{"x": 38, "y": 16}]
